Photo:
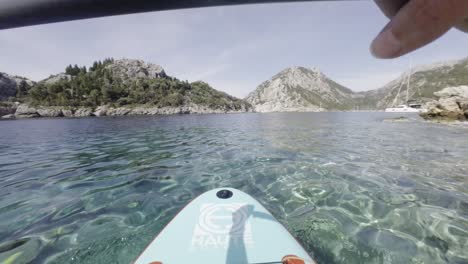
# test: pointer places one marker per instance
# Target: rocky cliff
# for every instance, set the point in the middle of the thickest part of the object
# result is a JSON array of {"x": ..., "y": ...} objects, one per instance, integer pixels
[{"x": 300, "y": 89}]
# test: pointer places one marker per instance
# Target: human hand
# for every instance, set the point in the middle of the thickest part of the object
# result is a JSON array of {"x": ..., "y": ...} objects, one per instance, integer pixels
[{"x": 415, "y": 23}]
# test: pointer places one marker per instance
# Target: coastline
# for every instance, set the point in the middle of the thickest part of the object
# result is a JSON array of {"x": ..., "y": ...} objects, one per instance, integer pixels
[{"x": 26, "y": 111}]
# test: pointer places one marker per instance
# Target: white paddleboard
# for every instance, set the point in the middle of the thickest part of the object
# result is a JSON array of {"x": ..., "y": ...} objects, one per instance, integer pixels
[{"x": 224, "y": 226}]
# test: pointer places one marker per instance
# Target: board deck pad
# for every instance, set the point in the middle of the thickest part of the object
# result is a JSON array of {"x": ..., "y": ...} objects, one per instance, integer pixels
[{"x": 234, "y": 230}]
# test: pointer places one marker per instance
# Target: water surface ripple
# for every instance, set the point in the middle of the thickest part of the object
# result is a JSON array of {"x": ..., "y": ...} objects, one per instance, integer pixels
[{"x": 350, "y": 187}]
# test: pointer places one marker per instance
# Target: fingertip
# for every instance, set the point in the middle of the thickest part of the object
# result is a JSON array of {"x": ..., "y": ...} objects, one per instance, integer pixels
[
  {"x": 374, "y": 51},
  {"x": 386, "y": 45}
]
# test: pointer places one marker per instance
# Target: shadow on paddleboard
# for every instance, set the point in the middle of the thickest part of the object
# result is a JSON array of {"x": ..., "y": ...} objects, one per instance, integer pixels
[{"x": 237, "y": 253}]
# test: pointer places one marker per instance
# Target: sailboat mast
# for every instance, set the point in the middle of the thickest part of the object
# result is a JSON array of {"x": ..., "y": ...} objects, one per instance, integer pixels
[
  {"x": 320, "y": 103},
  {"x": 408, "y": 87},
  {"x": 398, "y": 93},
  {"x": 409, "y": 79}
]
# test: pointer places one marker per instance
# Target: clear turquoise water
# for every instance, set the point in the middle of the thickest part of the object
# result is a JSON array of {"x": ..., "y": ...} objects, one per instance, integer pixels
[{"x": 350, "y": 187}]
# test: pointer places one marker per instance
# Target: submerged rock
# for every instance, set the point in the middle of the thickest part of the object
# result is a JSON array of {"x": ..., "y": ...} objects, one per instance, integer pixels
[
  {"x": 397, "y": 119},
  {"x": 452, "y": 104},
  {"x": 24, "y": 250}
]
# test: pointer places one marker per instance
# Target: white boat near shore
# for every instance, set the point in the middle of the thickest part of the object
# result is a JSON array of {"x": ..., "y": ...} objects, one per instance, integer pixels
[{"x": 405, "y": 108}]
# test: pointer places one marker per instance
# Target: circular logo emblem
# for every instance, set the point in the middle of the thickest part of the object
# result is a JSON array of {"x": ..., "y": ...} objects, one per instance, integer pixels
[{"x": 224, "y": 218}]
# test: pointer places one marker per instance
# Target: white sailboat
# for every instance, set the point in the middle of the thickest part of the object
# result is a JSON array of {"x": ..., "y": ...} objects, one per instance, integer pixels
[{"x": 404, "y": 108}]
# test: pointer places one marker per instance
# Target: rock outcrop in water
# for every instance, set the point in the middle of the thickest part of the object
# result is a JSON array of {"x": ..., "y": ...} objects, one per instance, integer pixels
[
  {"x": 452, "y": 104},
  {"x": 115, "y": 88},
  {"x": 300, "y": 89}
]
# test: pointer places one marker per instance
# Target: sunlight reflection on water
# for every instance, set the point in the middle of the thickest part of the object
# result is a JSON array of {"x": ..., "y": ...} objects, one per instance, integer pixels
[{"x": 352, "y": 188}]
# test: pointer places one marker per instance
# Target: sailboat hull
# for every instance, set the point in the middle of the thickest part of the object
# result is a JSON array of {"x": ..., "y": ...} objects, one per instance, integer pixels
[{"x": 403, "y": 110}]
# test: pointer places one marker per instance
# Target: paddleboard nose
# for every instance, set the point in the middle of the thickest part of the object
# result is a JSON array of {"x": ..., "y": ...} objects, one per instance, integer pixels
[{"x": 224, "y": 225}]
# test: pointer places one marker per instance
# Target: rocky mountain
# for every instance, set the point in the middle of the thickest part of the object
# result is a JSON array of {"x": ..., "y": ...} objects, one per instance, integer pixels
[
  {"x": 424, "y": 82},
  {"x": 300, "y": 89}
]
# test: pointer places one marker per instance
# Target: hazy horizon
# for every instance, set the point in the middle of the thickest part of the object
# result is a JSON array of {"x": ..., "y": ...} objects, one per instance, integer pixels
[{"x": 233, "y": 48}]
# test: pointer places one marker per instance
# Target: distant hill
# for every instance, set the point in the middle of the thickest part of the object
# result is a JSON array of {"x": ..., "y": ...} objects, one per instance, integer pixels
[
  {"x": 303, "y": 89},
  {"x": 300, "y": 89}
]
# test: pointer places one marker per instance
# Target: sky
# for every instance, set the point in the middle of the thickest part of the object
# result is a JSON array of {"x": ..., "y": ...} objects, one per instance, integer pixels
[{"x": 233, "y": 48}]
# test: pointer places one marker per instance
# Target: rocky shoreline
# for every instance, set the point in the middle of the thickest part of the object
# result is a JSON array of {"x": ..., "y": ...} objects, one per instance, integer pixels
[
  {"x": 451, "y": 106},
  {"x": 27, "y": 111}
]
